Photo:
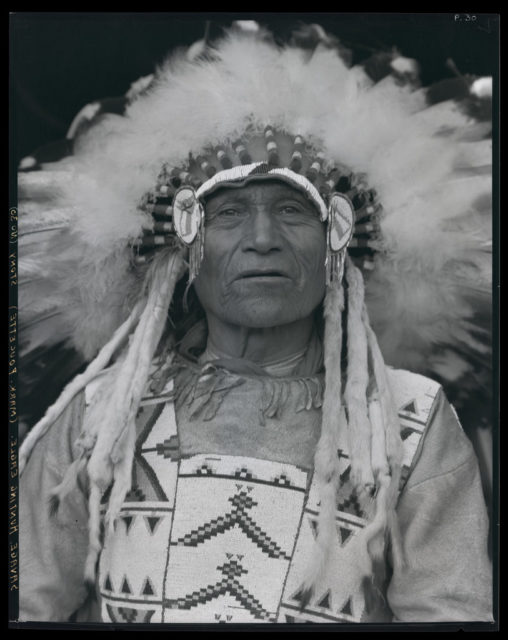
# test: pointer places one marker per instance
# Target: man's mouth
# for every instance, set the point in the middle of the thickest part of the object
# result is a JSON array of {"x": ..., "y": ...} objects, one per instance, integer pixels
[{"x": 265, "y": 274}]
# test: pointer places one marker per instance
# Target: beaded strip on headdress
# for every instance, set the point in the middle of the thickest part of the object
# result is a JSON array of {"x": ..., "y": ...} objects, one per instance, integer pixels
[{"x": 331, "y": 186}]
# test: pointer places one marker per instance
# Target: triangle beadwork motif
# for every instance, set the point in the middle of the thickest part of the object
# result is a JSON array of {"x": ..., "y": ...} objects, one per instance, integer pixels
[
  {"x": 107, "y": 583},
  {"x": 325, "y": 601},
  {"x": 344, "y": 535},
  {"x": 125, "y": 586},
  {"x": 410, "y": 407},
  {"x": 152, "y": 522},
  {"x": 346, "y": 608},
  {"x": 128, "y": 522},
  {"x": 406, "y": 432},
  {"x": 298, "y": 595},
  {"x": 148, "y": 589}
]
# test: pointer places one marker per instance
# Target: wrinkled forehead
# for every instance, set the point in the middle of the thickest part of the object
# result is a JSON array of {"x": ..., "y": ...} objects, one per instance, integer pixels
[
  {"x": 258, "y": 190},
  {"x": 260, "y": 174}
]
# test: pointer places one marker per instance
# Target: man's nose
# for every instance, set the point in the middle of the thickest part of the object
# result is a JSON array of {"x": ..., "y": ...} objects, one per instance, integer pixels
[{"x": 263, "y": 233}]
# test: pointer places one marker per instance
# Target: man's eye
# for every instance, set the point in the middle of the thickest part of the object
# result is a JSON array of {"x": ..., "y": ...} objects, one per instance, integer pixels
[
  {"x": 229, "y": 213},
  {"x": 293, "y": 211}
]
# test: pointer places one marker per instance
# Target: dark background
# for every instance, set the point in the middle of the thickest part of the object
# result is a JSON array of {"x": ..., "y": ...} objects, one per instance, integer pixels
[{"x": 61, "y": 61}]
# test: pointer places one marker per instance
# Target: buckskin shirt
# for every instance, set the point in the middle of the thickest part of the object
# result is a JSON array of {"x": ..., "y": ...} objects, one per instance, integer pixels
[{"x": 222, "y": 512}]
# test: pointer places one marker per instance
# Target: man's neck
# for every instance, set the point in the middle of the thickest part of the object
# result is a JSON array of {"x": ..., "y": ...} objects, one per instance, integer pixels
[{"x": 263, "y": 346}]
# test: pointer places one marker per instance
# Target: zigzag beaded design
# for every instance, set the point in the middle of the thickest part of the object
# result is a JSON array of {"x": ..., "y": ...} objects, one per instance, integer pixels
[
  {"x": 228, "y": 585},
  {"x": 236, "y": 517}
]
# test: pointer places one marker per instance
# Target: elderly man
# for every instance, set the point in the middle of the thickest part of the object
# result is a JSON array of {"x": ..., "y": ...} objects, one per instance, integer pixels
[{"x": 248, "y": 458}]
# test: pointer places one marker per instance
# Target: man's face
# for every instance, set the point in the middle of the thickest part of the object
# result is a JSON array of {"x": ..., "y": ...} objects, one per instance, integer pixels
[{"x": 264, "y": 255}]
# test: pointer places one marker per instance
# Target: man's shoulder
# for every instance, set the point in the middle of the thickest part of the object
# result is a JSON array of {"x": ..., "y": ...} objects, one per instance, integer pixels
[{"x": 414, "y": 394}]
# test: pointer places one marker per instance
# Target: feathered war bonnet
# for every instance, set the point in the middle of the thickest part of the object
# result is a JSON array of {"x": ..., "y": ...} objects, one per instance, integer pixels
[{"x": 403, "y": 184}]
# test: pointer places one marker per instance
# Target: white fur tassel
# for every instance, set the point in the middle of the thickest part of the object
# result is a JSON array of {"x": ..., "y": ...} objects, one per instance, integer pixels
[
  {"x": 391, "y": 441},
  {"x": 326, "y": 462},
  {"x": 112, "y": 456},
  {"x": 359, "y": 434},
  {"x": 94, "y": 526}
]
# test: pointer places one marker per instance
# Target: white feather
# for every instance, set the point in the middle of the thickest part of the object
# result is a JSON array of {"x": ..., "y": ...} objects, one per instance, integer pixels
[{"x": 436, "y": 216}]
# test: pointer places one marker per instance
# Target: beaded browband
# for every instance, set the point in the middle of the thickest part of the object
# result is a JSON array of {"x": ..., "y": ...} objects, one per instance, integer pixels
[{"x": 343, "y": 198}]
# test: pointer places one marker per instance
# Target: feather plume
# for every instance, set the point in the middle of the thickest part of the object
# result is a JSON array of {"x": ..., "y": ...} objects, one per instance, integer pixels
[{"x": 430, "y": 165}]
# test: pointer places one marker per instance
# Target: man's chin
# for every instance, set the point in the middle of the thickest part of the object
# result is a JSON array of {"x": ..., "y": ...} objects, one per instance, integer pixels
[{"x": 263, "y": 313}]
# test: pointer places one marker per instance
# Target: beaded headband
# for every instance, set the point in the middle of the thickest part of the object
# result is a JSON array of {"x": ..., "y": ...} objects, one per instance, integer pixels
[{"x": 341, "y": 197}]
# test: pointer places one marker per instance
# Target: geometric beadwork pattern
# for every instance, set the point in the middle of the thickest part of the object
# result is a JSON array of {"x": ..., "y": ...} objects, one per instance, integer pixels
[
  {"x": 229, "y": 584},
  {"x": 415, "y": 397},
  {"x": 169, "y": 448},
  {"x": 129, "y": 614},
  {"x": 221, "y": 538},
  {"x": 131, "y": 565},
  {"x": 229, "y": 556},
  {"x": 157, "y": 450},
  {"x": 338, "y": 597},
  {"x": 239, "y": 517}
]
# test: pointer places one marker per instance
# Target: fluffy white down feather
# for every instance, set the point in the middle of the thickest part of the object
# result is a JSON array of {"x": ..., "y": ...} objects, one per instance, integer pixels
[{"x": 428, "y": 165}]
